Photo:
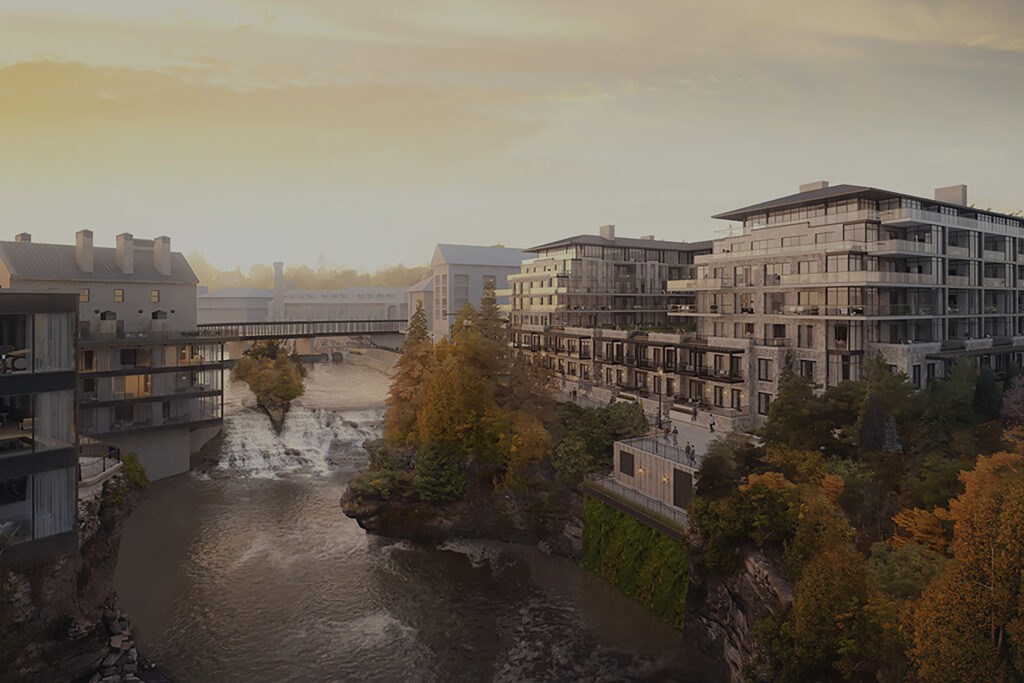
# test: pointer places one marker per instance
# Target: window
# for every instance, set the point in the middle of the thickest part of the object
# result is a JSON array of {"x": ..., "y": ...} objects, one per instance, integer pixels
[
  {"x": 119, "y": 296},
  {"x": 763, "y": 402},
  {"x": 916, "y": 373},
  {"x": 807, "y": 369},
  {"x": 719, "y": 394},
  {"x": 626, "y": 463},
  {"x": 735, "y": 399},
  {"x": 154, "y": 296},
  {"x": 83, "y": 295},
  {"x": 764, "y": 369}
]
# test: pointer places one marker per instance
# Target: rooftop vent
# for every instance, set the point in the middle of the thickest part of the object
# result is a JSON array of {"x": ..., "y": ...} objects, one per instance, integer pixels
[
  {"x": 607, "y": 232},
  {"x": 816, "y": 185},
  {"x": 23, "y": 237},
  {"x": 647, "y": 237},
  {"x": 954, "y": 194}
]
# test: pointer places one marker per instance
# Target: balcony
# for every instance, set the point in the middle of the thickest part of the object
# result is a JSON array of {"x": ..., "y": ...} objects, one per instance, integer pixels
[
  {"x": 681, "y": 309},
  {"x": 707, "y": 372},
  {"x": 703, "y": 283},
  {"x": 958, "y": 280},
  {"x": 900, "y": 247},
  {"x": 993, "y": 255},
  {"x": 775, "y": 341},
  {"x": 958, "y": 252},
  {"x": 858, "y": 277},
  {"x": 995, "y": 282}
]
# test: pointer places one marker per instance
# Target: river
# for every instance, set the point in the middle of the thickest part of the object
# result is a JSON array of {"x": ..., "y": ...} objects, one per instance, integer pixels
[{"x": 252, "y": 573}]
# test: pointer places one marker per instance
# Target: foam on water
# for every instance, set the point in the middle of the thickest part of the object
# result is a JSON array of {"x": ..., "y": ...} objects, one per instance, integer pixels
[{"x": 312, "y": 442}]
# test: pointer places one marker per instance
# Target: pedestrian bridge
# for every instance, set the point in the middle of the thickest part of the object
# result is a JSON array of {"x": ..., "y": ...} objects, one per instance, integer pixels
[
  {"x": 297, "y": 329},
  {"x": 303, "y": 332}
]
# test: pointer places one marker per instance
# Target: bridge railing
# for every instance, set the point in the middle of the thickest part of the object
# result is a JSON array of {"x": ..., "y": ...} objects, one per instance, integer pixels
[{"x": 280, "y": 329}]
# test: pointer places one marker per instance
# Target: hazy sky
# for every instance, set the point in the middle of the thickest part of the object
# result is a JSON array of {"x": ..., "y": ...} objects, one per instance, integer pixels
[{"x": 366, "y": 132}]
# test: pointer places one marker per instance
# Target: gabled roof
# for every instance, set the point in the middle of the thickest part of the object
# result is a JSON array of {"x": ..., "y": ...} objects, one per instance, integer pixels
[
  {"x": 424, "y": 285},
  {"x": 634, "y": 242},
  {"x": 468, "y": 255},
  {"x": 239, "y": 292},
  {"x": 38, "y": 261}
]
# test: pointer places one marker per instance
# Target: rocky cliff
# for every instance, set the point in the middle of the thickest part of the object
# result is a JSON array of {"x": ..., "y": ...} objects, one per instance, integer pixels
[
  {"x": 62, "y": 622},
  {"x": 723, "y": 611}
]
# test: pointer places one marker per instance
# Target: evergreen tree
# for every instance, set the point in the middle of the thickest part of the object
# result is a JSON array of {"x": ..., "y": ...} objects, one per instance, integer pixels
[
  {"x": 489, "y": 320},
  {"x": 411, "y": 376},
  {"x": 891, "y": 437},
  {"x": 987, "y": 394},
  {"x": 871, "y": 425},
  {"x": 797, "y": 417}
]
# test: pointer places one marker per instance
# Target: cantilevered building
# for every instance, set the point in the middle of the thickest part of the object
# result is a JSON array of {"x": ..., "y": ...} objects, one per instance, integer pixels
[
  {"x": 146, "y": 383},
  {"x": 594, "y": 309},
  {"x": 832, "y": 275}
]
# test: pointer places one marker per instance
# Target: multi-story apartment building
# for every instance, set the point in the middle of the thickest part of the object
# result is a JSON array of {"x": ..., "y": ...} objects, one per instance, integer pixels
[
  {"x": 594, "y": 309},
  {"x": 38, "y": 446},
  {"x": 832, "y": 275},
  {"x": 460, "y": 272},
  {"x": 146, "y": 383}
]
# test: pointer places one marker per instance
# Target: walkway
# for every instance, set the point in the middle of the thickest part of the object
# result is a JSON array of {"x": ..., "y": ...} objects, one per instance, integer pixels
[{"x": 667, "y": 519}]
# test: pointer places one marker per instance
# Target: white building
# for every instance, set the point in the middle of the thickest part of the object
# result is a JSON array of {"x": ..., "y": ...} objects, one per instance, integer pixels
[
  {"x": 422, "y": 293},
  {"x": 459, "y": 273}
]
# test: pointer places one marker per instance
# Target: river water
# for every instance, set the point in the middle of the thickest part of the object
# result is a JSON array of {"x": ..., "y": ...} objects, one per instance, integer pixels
[{"x": 252, "y": 573}]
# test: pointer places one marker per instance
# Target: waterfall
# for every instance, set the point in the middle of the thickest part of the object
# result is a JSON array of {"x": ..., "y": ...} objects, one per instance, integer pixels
[{"x": 314, "y": 441}]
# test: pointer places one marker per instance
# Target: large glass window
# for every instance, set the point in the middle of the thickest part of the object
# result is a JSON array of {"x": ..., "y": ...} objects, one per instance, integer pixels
[{"x": 54, "y": 341}]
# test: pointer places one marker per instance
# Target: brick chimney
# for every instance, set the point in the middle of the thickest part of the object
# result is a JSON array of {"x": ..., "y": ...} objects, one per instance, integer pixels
[
  {"x": 162, "y": 255},
  {"x": 607, "y": 232},
  {"x": 126, "y": 253},
  {"x": 23, "y": 237},
  {"x": 83, "y": 250}
]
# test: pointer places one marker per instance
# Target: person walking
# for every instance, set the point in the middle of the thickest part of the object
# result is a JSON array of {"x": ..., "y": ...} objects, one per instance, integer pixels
[
  {"x": 675, "y": 435},
  {"x": 693, "y": 418},
  {"x": 711, "y": 424}
]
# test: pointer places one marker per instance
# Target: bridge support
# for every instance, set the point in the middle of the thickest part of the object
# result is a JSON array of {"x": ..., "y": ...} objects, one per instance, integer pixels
[
  {"x": 235, "y": 349},
  {"x": 304, "y": 347}
]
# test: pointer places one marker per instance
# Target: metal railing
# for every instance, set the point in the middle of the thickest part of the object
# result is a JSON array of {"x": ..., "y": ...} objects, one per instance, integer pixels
[
  {"x": 664, "y": 447},
  {"x": 668, "y": 512},
  {"x": 95, "y": 459},
  {"x": 294, "y": 329}
]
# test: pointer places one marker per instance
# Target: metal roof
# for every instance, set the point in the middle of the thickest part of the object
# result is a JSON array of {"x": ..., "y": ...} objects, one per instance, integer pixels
[
  {"x": 633, "y": 242},
  {"x": 424, "y": 285},
  {"x": 469, "y": 255},
  {"x": 843, "y": 192},
  {"x": 38, "y": 261}
]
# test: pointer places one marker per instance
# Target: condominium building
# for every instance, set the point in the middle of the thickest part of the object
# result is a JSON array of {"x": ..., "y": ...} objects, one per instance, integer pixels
[
  {"x": 38, "y": 458},
  {"x": 146, "y": 383},
  {"x": 594, "y": 309},
  {"x": 834, "y": 274},
  {"x": 460, "y": 273}
]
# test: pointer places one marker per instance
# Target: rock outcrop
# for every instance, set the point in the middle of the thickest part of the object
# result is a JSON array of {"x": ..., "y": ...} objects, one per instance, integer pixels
[
  {"x": 550, "y": 517},
  {"x": 62, "y": 618},
  {"x": 723, "y": 611}
]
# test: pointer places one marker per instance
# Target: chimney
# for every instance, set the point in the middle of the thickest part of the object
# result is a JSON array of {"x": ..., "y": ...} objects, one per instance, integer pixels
[
  {"x": 816, "y": 185},
  {"x": 83, "y": 250},
  {"x": 954, "y": 194},
  {"x": 23, "y": 237},
  {"x": 162, "y": 255},
  {"x": 607, "y": 232},
  {"x": 278, "y": 275},
  {"x": 126, "y": 253}
]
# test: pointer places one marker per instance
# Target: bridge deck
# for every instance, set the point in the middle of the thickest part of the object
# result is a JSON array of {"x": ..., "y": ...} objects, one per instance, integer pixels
[{"x": 297, "y": 329}]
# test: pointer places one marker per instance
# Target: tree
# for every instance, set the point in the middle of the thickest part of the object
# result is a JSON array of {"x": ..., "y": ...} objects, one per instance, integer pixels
[
  {"x": 797, "y": 417},
  {"x": 411, "y": 377},
  {"x": 441, "y": 474},
  {"x": 891, "y": 437},
  {"x": 987, "y": 394},
  {"x": 872, "y": 425},
  {"x": 969, "y": 624},
  {"x": 572, "y": 459},
  {"x": 1013, "y": 405},
  {"x": 718, "y": 475}
]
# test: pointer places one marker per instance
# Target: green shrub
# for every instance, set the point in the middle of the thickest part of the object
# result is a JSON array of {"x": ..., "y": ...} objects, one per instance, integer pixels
[
  {"x": 133, "y": 470},
  {"x": 640, "y": 562},
  {"x": 441, "y": 474}
]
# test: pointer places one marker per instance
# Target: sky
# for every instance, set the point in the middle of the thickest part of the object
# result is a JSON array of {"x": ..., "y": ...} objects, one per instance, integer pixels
[{"x": 363, "y": 133}]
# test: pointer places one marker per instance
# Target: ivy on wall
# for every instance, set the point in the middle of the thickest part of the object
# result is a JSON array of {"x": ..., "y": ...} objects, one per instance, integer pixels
[{"x": 640, "y": 562}]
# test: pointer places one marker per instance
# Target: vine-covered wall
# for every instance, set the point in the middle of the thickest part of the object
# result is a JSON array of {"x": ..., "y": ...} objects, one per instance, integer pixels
[{"x": 642, "y": 563}]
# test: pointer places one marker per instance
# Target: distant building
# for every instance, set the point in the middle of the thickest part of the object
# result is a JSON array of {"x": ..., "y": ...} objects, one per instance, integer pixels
[
  {"x": 459, "y": 273},
  {"x": 351, "y": 303},
  {"x": 146, "y": 385},
  {"x": 422, "y": 293},
  {"x": 234, "y": 305},
  {"x": 38, "y": 445}
]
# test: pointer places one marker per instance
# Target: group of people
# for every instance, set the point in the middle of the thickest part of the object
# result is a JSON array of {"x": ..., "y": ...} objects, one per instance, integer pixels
[{"x": 689, "y": 449}]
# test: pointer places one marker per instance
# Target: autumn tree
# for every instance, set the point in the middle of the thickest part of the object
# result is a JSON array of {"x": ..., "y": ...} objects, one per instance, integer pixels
[
  {"x": 411, "y": 375},
  {"x": 969, "y": 624}
]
